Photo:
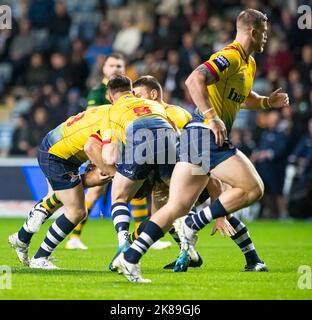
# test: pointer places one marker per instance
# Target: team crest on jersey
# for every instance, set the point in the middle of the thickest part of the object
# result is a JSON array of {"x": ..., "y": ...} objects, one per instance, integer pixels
[
  {"x": 242, "y": 78},
  {"x": 221, "y": 62}
]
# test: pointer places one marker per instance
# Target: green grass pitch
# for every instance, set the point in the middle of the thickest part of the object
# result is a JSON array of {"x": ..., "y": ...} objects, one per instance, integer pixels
[{"x": 284, "y": 246}]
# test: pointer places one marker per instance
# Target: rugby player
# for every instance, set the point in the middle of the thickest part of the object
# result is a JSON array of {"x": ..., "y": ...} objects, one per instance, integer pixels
[
  {"x": 113, "y": 64},
  {"x": 129, "y": 116},
  {"x": 219, "y": 88},
  {"x": 149, "y": 88},
  {"x": 60, "y": 155}
]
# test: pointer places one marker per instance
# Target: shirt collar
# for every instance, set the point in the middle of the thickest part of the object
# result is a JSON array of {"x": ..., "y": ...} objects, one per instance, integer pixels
[
  {"x": 238, "y": 46},
  {"x": 124, "y": 95}
]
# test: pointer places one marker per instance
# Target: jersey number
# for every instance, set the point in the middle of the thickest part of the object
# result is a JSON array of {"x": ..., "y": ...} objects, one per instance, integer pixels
[
  {"x": 75, "y": 119},
  {"x": 142, "y": 111}
]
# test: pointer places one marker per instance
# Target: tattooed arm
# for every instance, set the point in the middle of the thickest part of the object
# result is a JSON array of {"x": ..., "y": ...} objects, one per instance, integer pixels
[{"x": 197, "y": 83}]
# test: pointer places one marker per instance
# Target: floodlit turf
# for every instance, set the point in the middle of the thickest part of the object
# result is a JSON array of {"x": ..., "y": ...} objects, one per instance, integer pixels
[{"x": 284, "y": 246}]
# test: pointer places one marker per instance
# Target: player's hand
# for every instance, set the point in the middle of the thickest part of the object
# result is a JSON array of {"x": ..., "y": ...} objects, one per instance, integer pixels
[
  {"x": 218, "y": 128},
  {"x": 225, "y": 228},
  {"x": 104, "y": 176},
  {"x": 279, "y": 99},
  {"x": 94, "y": 177}
]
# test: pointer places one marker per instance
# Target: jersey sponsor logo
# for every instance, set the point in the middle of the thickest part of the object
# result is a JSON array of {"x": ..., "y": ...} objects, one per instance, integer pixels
[
  {"x": 235, "y": 96},
  {"x": 221, "y": 62}
]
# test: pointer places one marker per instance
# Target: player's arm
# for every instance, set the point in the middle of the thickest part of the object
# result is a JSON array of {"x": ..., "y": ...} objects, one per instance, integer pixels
[
  {"x": 93, "y": 149},
  {"x": 110, "y": 145},
  {"x": 277, "y": 99},
  {"x": 197, "y": 83},
  {"x": 110, "y": 153}
]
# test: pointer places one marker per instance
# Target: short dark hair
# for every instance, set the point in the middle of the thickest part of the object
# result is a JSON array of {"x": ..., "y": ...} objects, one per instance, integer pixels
[
  {"x": 149, "y": 82},
  {"x": 119, "y": 83},
  {"x": 116, "y": 55},
  {"x": 251, "y": 18}
]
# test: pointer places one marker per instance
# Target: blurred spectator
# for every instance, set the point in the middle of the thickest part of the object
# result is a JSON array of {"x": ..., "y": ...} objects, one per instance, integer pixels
[
  {"x": 148, "y": 41},
  {"x": 301, "y": 152},
  {"x": 6, "y": 37},
  {"x": 78, "y": 68},
  {"x": 56, "y": 110},
  {"x": 298, "y": 181},
  {"x": 107, "y": 30},
  {"x": 101, "y": 46},
  {"x": 305, "y": 66},
  {"x": 279, "y": 57},
  {"x": 59, "y": 28},
  {"x": 186, "y": 52},
  {"x": 20, "y": 142},
  {"x": 74, "y": 103},
  {"x": 37, "y": 129},
  {"x": 41, "y": 13},
  {"x": 270, "y": 159},
  {"x": 173, "y": 77},
  {"x": 37, "y": 72},
  {"x": 59, "y": 69},
  {"x": 165, "y": 39},
  {"x": 237, "y": 138},
  {"x": 128, "y": 38},
  {"x": 152, "y": 66},
  {"x": 21, "y": 48}
]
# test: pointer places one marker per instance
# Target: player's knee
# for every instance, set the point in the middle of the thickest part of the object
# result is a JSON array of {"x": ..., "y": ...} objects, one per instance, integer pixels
[
  {"x": 76, "y": 216},
  {"x": 256, "y": 192},
  {"x": 82, "y": 214}
]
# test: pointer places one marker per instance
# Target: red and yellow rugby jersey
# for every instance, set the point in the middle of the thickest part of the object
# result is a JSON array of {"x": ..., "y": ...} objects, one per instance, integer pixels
[
  {"x": 179, "y": 116},
  {"x": 234, "y": 73},
  {"x": 68, "y": 139},
  {"x": 127, "y": 110}
]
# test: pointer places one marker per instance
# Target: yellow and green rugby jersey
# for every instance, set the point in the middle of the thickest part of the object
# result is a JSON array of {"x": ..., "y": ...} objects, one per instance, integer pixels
[
  {"x": 68, "y": 139},
  {"x": 127, "y": 110},
  {"x": 234, "y": 73},
  {"x": 179, "y": 116},
  {"x": 98, "y": 96}
]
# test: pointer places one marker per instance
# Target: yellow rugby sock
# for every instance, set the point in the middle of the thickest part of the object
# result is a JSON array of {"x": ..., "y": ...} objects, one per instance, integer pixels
[
  {"x": 140, "y": 211},
  {"x": 51, "y": 204}
]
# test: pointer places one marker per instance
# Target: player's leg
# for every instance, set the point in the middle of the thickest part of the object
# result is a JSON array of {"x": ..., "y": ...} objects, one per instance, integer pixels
[
  {"x": 182, "y": 182},
  {"x": 140, "y": 211},
  {"x": 75, "y": 211},
  {"x": 123, "y": 191},
  {"x": 194, "y": 259},
  {"x": 47, "y": 206},
  {"x": 242, "y": 237},
  {"x": 42, "y": 210},
  {"x": 246, "y": 187},
  {"x": 161, "y": 149},
  {"x": 159, "y": 198},
  {"x": 243, "y": 240},
  {"x": 92, "y": 195}
]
